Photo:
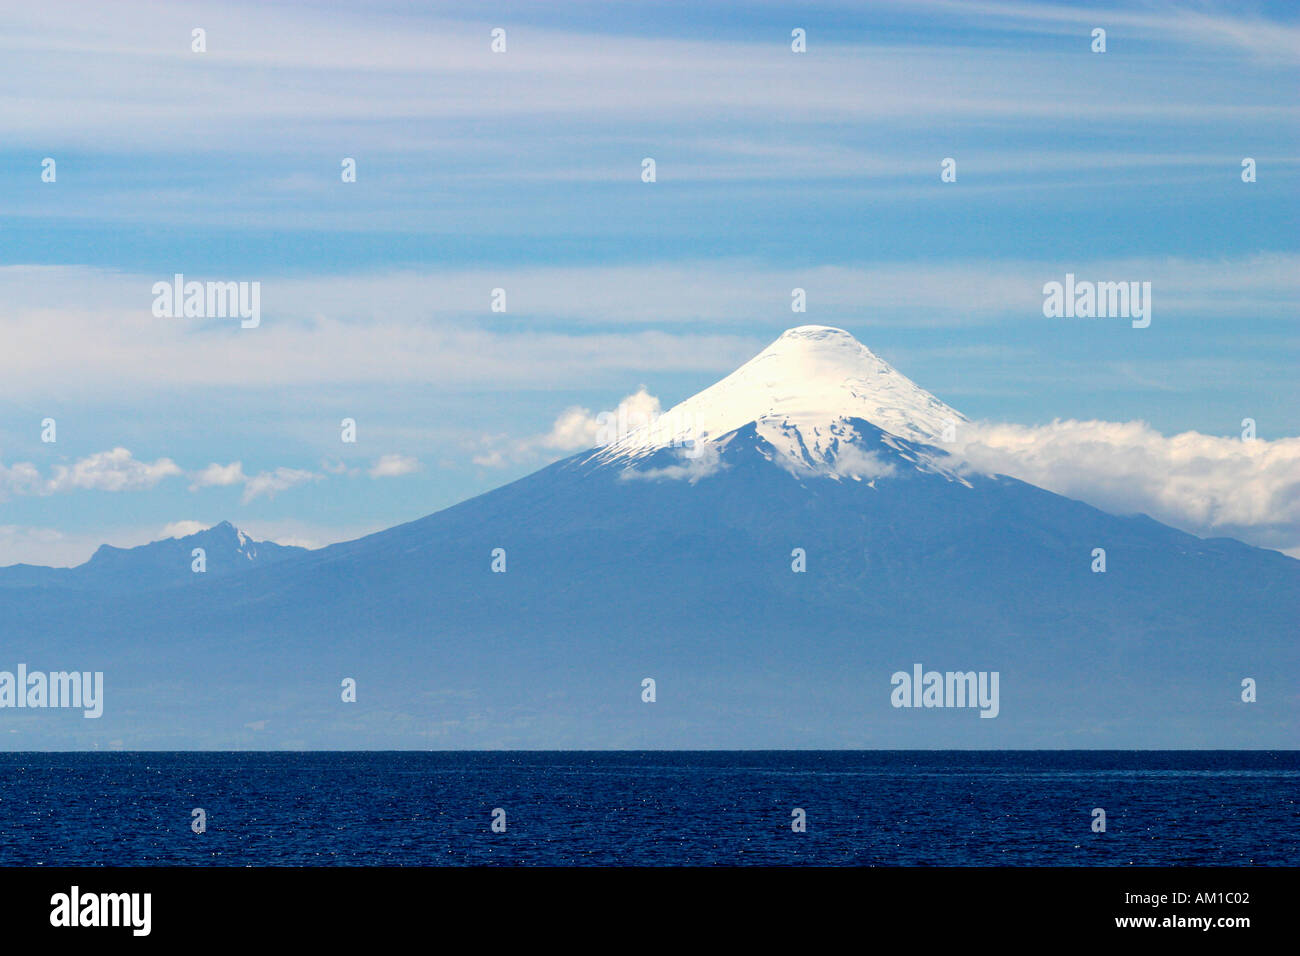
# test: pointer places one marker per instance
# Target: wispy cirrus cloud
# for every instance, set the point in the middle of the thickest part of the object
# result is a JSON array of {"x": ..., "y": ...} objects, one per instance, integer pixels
[
  {"x": 1210, "y": 27},
  {"x": 580, "y": 105},
  {"x": 413, "y": 327},
  {"x": 374, "y": 66}
]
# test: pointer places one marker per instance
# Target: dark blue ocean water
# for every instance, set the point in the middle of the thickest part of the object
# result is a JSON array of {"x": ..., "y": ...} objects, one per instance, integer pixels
[{"x": 652, "y": 808}]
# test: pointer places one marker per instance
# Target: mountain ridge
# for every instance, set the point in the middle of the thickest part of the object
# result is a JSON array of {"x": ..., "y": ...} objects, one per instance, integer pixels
[{"x": 160, "y": 563}]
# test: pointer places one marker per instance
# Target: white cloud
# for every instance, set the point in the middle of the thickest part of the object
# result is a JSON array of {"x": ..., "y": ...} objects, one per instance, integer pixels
[
  {"x": 20, "y": 478},
  {"x": 576, "y": 428},
  {"x": 495, "y": 458},
  {"x": 119, "y": 470},
  {"x": 394, "y": 466},
  {"x": 115, "y": 470},
  {"x": 691, "y": 469},
  {"x": 267, "y": 483},
  {"x": 219, "y": 476},
  {"x": 183, "y": 529},
  {"x": 1205, "y": 484},
  {"x": 855, "y": 462},
  {"x": 271, "y": 483}
]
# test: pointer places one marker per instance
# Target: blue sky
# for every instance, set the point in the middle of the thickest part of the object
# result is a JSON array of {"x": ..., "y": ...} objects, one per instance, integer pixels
[{"x": 521, "y": 171}]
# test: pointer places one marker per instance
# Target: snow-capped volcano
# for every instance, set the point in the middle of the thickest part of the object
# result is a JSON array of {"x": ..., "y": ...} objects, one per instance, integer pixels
[
  {"x": 771, "y": 586},
  {"x": 804, "y": 393}
]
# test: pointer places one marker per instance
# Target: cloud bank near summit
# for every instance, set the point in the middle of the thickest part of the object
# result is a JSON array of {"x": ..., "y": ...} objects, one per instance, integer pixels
[
  {"x": 1209, "y": 485},
  {"x": 1206, "y": 484}
]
